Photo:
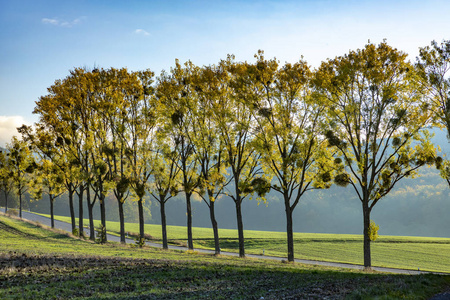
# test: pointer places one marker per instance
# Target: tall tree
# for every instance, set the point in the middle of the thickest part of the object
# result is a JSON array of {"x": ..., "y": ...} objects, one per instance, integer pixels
[
  {"x": 235, "y": 124},
  {"x": 122, "y": 89},
  {"x": 205, "y": 137},
  {"x": 69, "y": 112},
  {"x": 89, "y": 87},
  {"x": 289, "y": 134},
  {"x": 81, "y": 87},
  {"x": 433, "y": 65},
  {"x": 141, "y": 127},
  {"x": 48, "y": 177},
  {"x": 21, "y": 164},
  {"x": 68, "y": 165},
  {"x": 375, "y": 116},
  {"x": 176, "y": 95},
  {"x": 99, "y": 179}
]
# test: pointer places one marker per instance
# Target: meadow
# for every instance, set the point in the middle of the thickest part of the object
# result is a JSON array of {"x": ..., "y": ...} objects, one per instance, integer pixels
[
  {"x": 424, "y": 253},
  {"x": 39, "y": 263}
]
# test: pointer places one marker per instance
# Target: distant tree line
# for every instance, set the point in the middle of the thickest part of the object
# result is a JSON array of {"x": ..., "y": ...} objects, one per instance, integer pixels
[{"x": 238, "y": 129}]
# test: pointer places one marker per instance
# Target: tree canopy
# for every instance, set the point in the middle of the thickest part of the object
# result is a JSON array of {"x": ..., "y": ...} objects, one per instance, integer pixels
[{"x": 376, "y": 113}]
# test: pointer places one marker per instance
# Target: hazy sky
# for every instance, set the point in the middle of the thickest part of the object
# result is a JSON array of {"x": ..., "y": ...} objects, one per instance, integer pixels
[{"x": 40, "y": 41}]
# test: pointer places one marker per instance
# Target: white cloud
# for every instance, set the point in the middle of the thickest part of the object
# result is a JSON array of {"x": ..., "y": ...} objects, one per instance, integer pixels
[
  {"x": 142, "y": 32},
  {"x": 63, "y": 23},
  {"x": 50, "y": 21},
  {"x": 8, "y": 128},
  {"x": 78, "y": 20}
]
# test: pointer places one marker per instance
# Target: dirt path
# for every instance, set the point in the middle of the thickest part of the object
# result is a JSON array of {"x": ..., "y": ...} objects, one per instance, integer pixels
[{"x": 67, "y": 227}]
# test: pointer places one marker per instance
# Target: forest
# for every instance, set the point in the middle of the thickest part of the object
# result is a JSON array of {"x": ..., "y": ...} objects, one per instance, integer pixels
[{"x": 285, "y": 135}]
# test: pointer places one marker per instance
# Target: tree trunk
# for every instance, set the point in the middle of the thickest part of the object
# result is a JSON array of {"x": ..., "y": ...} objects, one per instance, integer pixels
[
  {"x": 6, "y": 202},
  {"x": 240, "y": 226},
  {"x": 367, "y": 254},
  {"x": 122, "y": 222},
  {"x": 289, "y": 231},
  {"x": 162, "y": 208},
  {"x": 20, "y": 205},
  {"x": 103, "y": 216},
  {"x": 91, "y": 215},
  {"x": 80, "y": 212},
  {"x": 52, "y": 216},
  {"x": 72, "y": 211},
  {"x": 189, "y": 221},
  {"x": 141, "y": 221},
  {"x": 215, "y": 228}
]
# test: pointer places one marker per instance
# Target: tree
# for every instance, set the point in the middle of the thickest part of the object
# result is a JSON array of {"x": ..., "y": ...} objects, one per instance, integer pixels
[
  {"x": 433, "y": 65},
  {"x": 235, "y": 123},
  {"x": 122, "y": 89},
  {"x": 6, "y": 184},
  {"x": 21, "y": 164},
  {"x": 288, "y": 135},
  {"x": 48, "y": 177},
  {"x": 58, "y": 149},
  {"x": 205, "y": 137},
  {"x": 141, "y": 127},
  {"x": 66, "y": 112},
  {"x": 88, "y": 95},
  {"x": 176, "y": 95},
  {"x": 376, "y": 117},
  {"x": 47, "y": 180},
  {"x": 99, "y": 178}
]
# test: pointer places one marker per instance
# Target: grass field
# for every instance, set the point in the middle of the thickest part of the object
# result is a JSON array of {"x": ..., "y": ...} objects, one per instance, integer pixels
[
  {"x": 36, "y": 263},
  {"x": 424, "y": 253}
]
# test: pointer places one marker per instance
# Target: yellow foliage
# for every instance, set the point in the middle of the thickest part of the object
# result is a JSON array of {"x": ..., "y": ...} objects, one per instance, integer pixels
[{"x": 373, "y": 231}]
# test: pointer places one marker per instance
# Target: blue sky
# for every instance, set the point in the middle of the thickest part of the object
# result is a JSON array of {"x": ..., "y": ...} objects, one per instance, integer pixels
[{"x": 40, "y": 41}]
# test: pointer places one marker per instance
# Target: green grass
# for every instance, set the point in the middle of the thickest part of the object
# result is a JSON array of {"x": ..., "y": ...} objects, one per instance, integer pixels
[
  {"x": 424, "y": 253},
  {"x": 41, "y": 264}
]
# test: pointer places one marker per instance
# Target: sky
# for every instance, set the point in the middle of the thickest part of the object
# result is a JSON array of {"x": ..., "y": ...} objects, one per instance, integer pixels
[{"x": 41, "y": 41}]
